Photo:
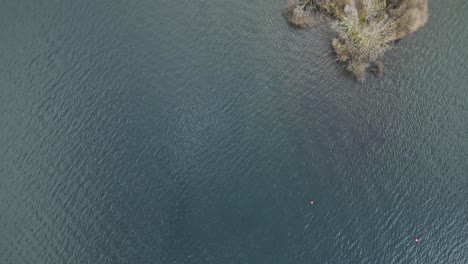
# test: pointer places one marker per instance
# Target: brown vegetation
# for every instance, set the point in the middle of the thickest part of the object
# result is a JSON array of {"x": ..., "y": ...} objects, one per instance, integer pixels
[
  {"x": 409, "y": 15},
  {"x": 378, "y": 68},
  {"x": 366, "y": 28},
  {"x": 300, "y": 13}
]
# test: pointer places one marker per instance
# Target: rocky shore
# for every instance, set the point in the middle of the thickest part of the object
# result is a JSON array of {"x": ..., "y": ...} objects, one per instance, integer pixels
[{"x": 366, "y": 28}]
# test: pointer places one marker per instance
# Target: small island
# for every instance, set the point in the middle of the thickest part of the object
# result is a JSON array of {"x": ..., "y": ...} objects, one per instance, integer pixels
[{"x": 366, "y": 28}]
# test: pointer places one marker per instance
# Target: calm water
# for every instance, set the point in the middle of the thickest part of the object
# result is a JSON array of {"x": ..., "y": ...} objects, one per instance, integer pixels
[{"x": 161, "y": 131}]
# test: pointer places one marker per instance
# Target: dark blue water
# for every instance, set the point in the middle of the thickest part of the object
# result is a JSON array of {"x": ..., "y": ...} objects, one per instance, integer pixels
[{"x": 198, "y": 131}]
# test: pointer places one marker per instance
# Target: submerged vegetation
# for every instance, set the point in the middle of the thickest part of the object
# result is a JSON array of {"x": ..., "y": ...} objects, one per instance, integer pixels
[{"x": 366, "y": 28}]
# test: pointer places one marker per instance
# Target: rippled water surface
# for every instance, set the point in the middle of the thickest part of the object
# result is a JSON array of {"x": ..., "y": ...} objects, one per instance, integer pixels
[{"x": 161, "y": 131}]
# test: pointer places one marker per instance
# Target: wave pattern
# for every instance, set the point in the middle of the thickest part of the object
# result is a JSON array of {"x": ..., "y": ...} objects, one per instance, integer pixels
[{"x": 197, "y": 132}]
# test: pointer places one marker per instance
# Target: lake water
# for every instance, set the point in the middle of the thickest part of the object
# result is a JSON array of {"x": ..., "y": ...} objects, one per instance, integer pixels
[{"x": 161, "y": 131}]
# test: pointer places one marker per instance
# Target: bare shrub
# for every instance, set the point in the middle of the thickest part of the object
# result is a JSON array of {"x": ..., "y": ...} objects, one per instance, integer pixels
[
  {"x": 378, "y": 68},
  {"x": 410, "y": 16},
  {"x": 300, "y": 13},
  {"x": 340, "y": 49},
  {"x": 358, "y": 69}
]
